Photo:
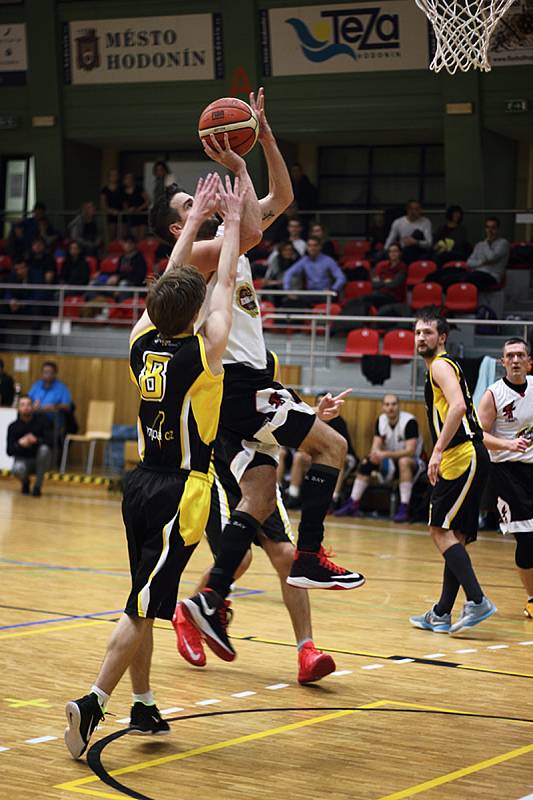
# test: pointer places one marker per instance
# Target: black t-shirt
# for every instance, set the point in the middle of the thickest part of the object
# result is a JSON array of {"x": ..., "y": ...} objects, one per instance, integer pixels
[
  {"x": 339, "y": 425},
  {"x": 7, "y": 390},
  {"x": 113, "y": 197}
]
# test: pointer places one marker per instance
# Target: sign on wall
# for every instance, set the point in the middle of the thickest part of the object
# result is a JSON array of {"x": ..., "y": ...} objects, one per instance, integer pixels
[
  {"x": 355, "y": 37},
  {"x": 179, "y": 48},
  {"x": 512, "y": 41},
  {"x": 13, "y": 58}
]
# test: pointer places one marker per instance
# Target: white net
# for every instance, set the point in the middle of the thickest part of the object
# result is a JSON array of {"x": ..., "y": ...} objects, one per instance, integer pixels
[{"x": 462, "y": 31}]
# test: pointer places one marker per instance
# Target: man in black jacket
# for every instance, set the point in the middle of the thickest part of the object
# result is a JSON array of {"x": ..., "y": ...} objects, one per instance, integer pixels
[
  {"x": 7, "y": 387},
  {"x": 29, "y": 440}
]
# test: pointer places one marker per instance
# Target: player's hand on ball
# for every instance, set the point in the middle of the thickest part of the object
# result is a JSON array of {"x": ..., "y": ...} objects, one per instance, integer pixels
[
  {"x": 330, "y": 407},
  {"x": 206, "y": 196},
  {"x": 229, "y": 199},
  {"x": 258, "y": 105},
  {"x": 223, "y": 155},
  {"x": 433, "y": 467}
]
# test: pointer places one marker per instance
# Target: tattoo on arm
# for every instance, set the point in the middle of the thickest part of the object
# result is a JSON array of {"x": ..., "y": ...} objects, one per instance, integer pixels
[{"x": 268, "y": 215}]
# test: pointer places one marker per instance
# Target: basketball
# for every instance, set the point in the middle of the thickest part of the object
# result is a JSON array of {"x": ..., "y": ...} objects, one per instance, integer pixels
[{"x": 234, "y": 117}]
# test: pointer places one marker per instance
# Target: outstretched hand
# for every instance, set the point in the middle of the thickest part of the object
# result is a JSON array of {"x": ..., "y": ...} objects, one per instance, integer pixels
[
  {"x": 206, "y": 196},
  {"x": 229, "y": 199},
  {"x": 223, "y": 155},
  {"x": 329, "y": 407},
  {"x": 258, "y": 105}
]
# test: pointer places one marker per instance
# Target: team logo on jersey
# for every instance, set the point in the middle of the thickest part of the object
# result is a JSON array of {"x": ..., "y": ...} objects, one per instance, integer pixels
[
  {"x": 155, "y": 431},
  {"x": 507, "y": 411},
  {"x": 246, "y": 299},
  {"x": 276, "y": 400}
]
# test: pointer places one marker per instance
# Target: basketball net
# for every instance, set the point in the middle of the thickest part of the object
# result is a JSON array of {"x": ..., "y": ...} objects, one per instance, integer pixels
[{"x": 462, "y": 31}]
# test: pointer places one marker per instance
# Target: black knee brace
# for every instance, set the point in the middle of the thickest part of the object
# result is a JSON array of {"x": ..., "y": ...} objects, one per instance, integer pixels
[
  {"x": 524, "y": 550},
  {"x": 366, "y": 467}
]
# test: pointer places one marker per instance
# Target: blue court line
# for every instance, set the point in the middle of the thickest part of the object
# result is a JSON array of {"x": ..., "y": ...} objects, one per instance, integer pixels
[{"x": 60, "y": 619}]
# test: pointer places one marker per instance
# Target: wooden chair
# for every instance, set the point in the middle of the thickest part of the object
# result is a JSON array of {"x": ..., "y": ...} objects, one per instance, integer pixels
[{"x": 99, "y": 425}]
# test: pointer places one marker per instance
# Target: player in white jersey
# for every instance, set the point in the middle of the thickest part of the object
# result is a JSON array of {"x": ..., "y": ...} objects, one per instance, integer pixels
[
  {"x": 259, "y": 414},
  {"x": 396, "y": 452},
  {"x": 506, "y": 411}
]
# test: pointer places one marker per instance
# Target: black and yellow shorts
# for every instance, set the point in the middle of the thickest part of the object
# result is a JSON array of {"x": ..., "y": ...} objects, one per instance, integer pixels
[
  {"x": 165, "y": 514},
  {"x": 455, "y": 501}
]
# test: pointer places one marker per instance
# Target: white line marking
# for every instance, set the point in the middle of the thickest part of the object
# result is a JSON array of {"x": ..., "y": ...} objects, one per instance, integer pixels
[
  {"x": 172, "y": 710},
  {"x": 243, "y": 694},
  {"x": 434, "y": 655},
  {"x": 467, "y": 650},
  {"x": 124, "y": 721},
  {"x": 497, "y": 647},
  {"x": 3, "y": 749},
  {"x": 40, "y": 739},
  {"x": 525, "y": 643},
  {"x": 340, "y": 672},
  {"x": 275, "y": 686},
  {"x": 402, "y": 660},
  {"x": 207, "y": 702},
  {"x": 526, "y": 797},
  {"x": 373, "y": 666}
]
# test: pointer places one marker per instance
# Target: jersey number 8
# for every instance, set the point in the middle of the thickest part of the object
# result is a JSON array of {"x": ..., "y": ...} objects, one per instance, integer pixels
[{"x": 153, "y": 378}]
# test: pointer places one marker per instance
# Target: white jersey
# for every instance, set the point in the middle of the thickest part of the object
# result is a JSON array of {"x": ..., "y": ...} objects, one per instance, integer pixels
[
  {"x": 246, "y": 343},
  {"x": 394, "y": 437},
  {"x": 514, "y": 418}
]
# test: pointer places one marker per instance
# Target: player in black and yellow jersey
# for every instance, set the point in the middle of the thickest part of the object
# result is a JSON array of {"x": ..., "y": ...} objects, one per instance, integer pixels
[
  {"x": 458, "y": 471},
  {"x": 166, "y": 503}
]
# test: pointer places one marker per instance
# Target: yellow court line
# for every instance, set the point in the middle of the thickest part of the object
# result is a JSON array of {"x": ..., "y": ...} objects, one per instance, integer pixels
[
  {"x": 495, "y": 671},
  {"x": 52, "y": 628},
  {"x": 453, "y": 711},
  {"x": 459, "y": 773},
  {"x": 329, "y": 649},
  {"x": 73, "y": 786}
]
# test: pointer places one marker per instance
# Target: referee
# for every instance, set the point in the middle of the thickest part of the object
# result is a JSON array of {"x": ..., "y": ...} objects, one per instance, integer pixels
[{"x": 506, "y": 411}]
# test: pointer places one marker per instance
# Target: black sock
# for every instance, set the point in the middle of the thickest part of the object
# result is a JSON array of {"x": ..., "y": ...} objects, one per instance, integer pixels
[
  {"x": 236, "y": 539},
  {"x": 317, "y": 492},
  {"x": 450, "y": 587},
  {"x": 458, "y": 560}
]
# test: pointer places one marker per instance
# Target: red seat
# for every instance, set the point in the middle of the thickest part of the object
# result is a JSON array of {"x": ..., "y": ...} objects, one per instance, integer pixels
[
  {"x": 109, "y": 263},
  {"x": 352, "y": 263},
  {"x": 399, "y": 344},
  {"x": 92, "y": 261},
  {"x": 455, "y": 265},
  {"x": 426, "y": 294},
  {"x": 128, "y": 309},
  {"x": 5, "y": 263},
  {"x": 356, "y": 289},
  {"x": 361, "y": 342},
  {"x": 72, "y": 306},
  {"x": 462, "y": 297},
  {"x": 148, "y": 248},
  {"x": 115, "y": 247},
  {"x": 267, "y": 307},
  {"x": 320, "y": 309},
  {"x": 418, "y": 272},
  {"x": 259, "y": 283},
  {"x": 355, "y": 249}
]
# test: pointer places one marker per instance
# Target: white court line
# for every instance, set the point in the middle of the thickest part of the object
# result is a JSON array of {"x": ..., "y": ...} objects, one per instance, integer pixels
[
  {"x": 373, "y": 666},
  {"x": 3, "y": 749},
  {"x": 124, "y": 721},
  {"x": 243, "y": 694},
  {"x": 407, "y": 531},
  {"x": 402, "y": 660},
  {"x": 525, "y": 644},
  {"x": 526, "y": 797},
  {"x": 172, "y": 710},
  {"x": 207, "y": 702},
  {"x": 467, "y": 650},
  {"x": 340, "y": 672},
  {"x": 497, "y": 647},
  {"x": 434, "y": 655},
  {"x": 41, "y": 739},
  {"x": 275, "y": 686}
]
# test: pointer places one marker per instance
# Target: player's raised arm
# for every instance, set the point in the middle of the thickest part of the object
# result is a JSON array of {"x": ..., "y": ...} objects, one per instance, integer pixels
[{"x": 218, "y": 323}]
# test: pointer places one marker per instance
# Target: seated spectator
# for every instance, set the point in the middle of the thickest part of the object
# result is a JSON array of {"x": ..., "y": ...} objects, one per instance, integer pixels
[
  {"x": 131, "y": 267},
  {"x": 284, "y": 258},
  {"x": 16, "y": 247},
  {"x": 29, "y": 439},
  {"x": 396, "y": 452},
  {"x": 75, "y": 271},
  {"x": 388, "y": 280},
  {"x": 412, "y": 232},
  {"x": 7, "y": 387},
  {"x": 111, "y": 202},
  {"x": 487, "y": 263},
  {"x": 51, "y": 396},
  {"x": 302, "y": 461},
  {"x": 451, "y": 243},
  {"x": 279, "y": 230},
  {"x": 39, "y": 226},
  {"x": 42, "y": 269},
  {"x": 17, "y": 301},
  {"x": 328, "y": 248},
  {"x": 162, "y": 178},
  {"x": 162, "y": 254},
  {"x": 135, "y": 202},
  {"x": 85, "y": 229},
  {"x": 318, "y": 271}
]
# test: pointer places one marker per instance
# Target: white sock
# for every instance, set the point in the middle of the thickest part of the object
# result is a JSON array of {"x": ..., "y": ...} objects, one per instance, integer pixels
[
  {"x": 358, "y": 490},
  {"x": 406, "y": 487},
  {"x": 294, "y": 491},
  {"x": 147, "y": 698},
  {"x": 302, "y": 642},
  {"x": 335, "y": 496},
  {"x": 103, "y": 698}
]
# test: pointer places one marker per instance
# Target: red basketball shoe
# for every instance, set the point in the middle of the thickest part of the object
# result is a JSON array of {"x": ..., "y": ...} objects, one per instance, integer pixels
[
  {"x": 189, "y": 641},
  {"x": 313, "y": 664}
]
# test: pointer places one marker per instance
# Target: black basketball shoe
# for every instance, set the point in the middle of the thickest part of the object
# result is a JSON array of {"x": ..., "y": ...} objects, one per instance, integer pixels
[
  {"x": 210, "y": 614},
  {"x": 147, "y": 721},
  {"x": 83, "y": 716},
  {"x": 316, "y": 571}
]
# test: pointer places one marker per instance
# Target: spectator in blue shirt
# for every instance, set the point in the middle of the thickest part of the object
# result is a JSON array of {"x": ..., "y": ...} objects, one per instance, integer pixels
[
  {"x": 50, "y": 395},
  {"x": 318, "y": 271}
]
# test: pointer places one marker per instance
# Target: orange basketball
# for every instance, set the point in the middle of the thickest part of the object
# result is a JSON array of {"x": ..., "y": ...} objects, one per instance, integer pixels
[{"x": 234, "y": 117}]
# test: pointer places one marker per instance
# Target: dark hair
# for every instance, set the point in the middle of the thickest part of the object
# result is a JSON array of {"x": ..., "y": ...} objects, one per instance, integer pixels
[
  {"x": 493, "y": 219},
  {"x": 40, "y": 205},
  {"x": 175, "y": 299},
  {"x": 451, "y": 210},
  {"x": 516, "y": 340},
  {"x": 434, "y": 314},
  {"x": 38, "y": 239},
  {"x": 162, "y": 215},
  {"x": 24, "y": 396},
  {"x": 130, "y": 238},
  {"x": 49, "y": 364},
  {"x": 314, "y": 239},
  {"x": 161, "y": 164}
]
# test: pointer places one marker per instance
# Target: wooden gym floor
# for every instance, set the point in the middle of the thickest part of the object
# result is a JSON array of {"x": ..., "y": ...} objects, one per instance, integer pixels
[{"x": 407, "y": 713}]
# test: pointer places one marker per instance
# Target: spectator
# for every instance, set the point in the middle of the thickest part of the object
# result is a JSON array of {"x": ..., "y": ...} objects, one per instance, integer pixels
[
  {"x": 328, "y": 247},
  {"x": 388, "y": 280},
  {"x": 42, "y": 269},
  {"x": 50, "y": 395},
  {"x": 29, "y": 439},
  {"x": 131, "y": 268},
  {"x": 284, "y": 257},
  {"x": 38, "y": 225},
  {"x": 75, "y": 271},
  {"x": 85, "y": 229},
  {"x": 412, "y": 233},
  {"x": 111, "y": 198},
  {"x": 294, "y": 227},
  {"x": 305, "y": 193},
  {"x": 16, "y": 243},
  {"x": 17, "y": 300},
  {"x": 319, "y": 272},
  {"x": 7, "y": 387},
  {"x": 396, "y": 452},
  {"x": 135, "y": 202},
  {"x": 279, "y": 230},
  {"x": 450, "y": 239},
  {"x": 162, "y": 178}
]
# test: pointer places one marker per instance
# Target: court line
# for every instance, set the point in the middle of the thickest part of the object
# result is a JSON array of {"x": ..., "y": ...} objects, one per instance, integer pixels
[
  {"x": 61, "y": 619},
  {"x": 52, "y": 630}
]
